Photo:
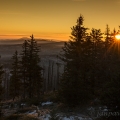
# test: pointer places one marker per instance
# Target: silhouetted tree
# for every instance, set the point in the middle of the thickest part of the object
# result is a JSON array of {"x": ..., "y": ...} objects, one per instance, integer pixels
[
  {"x": 15, "y": 83},
  {"x": 1, "y": 78},
  {"x": 30, "y": 69},
  {"x": 34, "y": 69},
  {"x": 24, "y": 63},
  {"x": 74, "y": 88},
  {"x": 52, "y": 71},
  {"x": 108, "y": 38},
  {"x": 48, "y": 79},
  {"x": 97, "y": 52}
]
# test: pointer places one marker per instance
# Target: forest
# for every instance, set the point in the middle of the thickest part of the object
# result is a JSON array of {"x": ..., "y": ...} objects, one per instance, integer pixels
[{"x": 90, "y": 74}]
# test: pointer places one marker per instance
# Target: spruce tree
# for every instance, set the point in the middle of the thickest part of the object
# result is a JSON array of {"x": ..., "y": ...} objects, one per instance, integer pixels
[
  {"x": 108, "y": 39},
  {"x": 1, "y": 76},
  {"x": 24, "y": 67},
  {"x": 31, "y": 70},
  {"x": 97, "y": 52},
  {"x": 107, "y": 58},
  {"x": 74, "y": 88},
  {"x": 15, "y": 83}
]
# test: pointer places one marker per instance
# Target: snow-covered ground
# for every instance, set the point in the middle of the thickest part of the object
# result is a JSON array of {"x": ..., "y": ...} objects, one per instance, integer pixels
[{"x": 44, "y": 113}]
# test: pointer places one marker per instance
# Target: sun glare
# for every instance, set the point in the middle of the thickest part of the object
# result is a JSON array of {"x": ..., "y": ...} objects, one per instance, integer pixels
[{"x": 117, "y": 37}]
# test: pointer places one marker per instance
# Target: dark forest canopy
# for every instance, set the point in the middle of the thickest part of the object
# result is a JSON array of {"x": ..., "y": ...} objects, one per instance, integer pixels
[{"x": 92, "y": 66}]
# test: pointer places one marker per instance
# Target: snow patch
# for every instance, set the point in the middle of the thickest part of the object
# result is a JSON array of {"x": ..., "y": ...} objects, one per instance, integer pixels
[{"x": 47, "y": 103}]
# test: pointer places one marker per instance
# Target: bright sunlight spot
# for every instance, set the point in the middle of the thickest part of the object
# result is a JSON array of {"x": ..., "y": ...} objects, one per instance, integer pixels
[{"x": 117, "y": 37}]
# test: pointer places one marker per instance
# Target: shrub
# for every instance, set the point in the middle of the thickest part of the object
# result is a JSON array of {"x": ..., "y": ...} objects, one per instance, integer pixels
[
  {"x": 53, "y": 115},
  {"x": 50, "y": 96},
  {"x": 33, "y": 101},
  {"x": 13, "y": 117},
  {"x": 24, "y": 110},
  {"x": 29, "y": 118}
]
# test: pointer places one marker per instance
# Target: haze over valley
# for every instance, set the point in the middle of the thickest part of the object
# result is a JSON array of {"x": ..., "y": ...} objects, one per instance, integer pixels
[{"x": 48, "y": 49}]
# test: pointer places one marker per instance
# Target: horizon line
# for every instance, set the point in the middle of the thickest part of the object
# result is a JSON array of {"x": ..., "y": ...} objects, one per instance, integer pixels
[
  {"x": 38, "y": 38},
  {"x": 22, "y": 36}
]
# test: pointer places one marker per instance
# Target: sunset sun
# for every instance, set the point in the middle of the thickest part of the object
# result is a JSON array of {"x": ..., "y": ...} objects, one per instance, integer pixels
[{"x": 117, "y": 37}]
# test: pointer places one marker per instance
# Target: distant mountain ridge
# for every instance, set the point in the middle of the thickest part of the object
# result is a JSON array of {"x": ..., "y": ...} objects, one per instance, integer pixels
[{"x": 21, "y": 40}]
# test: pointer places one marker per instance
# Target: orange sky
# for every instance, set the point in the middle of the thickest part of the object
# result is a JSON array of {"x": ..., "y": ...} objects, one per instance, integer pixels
[{"x": 52, "y": 19}]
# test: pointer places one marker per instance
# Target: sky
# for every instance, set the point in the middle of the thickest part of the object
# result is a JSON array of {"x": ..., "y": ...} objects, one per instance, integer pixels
[{"x": 53, "y": 19}]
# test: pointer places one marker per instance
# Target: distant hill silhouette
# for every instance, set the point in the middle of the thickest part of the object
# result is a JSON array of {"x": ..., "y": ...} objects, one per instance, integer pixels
[
  {"x": 21, "y": 40},
  {"x": 24, "y": 38}
]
